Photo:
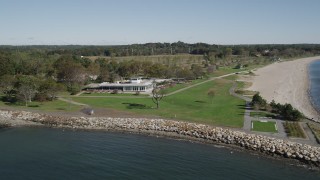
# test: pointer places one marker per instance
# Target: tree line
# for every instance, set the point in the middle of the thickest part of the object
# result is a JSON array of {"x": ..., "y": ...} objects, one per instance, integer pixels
[
  {"x": 38, "y": 72},
  {"x": 218, "y": 51},
  {"x": 286, "y": 111}
]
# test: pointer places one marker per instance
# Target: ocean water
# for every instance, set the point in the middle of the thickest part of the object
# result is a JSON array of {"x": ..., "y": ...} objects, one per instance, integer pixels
[
  {"x": 314, "y": 76},
  {"x": 43, "y": 153}
]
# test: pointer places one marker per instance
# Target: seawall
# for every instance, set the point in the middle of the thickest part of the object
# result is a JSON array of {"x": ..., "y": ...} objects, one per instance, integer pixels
[{"x": 267, "y": 145}]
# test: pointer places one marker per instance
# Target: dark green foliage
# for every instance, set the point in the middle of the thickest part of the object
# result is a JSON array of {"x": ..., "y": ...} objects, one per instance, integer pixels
[
  {"x": 286, "y": 111},
  {"x": 258, "y": 102},
  {"x": 66, "y": 64}
]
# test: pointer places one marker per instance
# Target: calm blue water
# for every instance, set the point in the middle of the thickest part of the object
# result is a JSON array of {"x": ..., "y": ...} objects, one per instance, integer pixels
[
  {"x": 314, "y": 75},
  {"x": 41, "y": 153}
]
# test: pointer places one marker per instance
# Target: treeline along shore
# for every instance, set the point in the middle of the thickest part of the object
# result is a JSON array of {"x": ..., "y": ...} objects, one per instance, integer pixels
[{"x": 270, "y": 146}]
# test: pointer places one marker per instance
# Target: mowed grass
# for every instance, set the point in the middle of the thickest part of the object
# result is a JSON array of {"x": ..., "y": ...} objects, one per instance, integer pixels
[
  {"x": 55, "y": 105},
  {"x": 220, "y": 72},
  {"x": 264, "y": 126},
  {"x": 192, "y": 105}
]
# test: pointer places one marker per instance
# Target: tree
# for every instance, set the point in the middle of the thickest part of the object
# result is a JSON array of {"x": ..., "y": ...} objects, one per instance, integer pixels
[
  {"x": 7, "y": 83},
  {"x": 72, "y": 74},
  {"x": 211, "y": 93},
  {"x": 49, "y": 89},
  {"x": 157, "y": 95},
  {"x": 197, "y": 70},
  {"x": 228, "y": 53},
  {"x": 258, "y": 102},
  {"x": 26, "y": 88},
  {"x": 6, "y": 66},
  {"x": 185, "y": 73}
]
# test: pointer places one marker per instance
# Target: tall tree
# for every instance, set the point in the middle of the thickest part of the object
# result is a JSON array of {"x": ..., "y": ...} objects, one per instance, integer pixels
[
  {"x": 26, "y": 88},
  {"x": 157, "y": 95},
  {"x": 7, "y": 86}
]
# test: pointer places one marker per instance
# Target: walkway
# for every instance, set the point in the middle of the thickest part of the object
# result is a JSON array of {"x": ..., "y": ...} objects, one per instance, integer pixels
[
  {"x": 71, "y": 101},
  {"x": 281, "y": 131},
  {"x": 169, "y": 94},
  {"x": 197, "y": 84}
]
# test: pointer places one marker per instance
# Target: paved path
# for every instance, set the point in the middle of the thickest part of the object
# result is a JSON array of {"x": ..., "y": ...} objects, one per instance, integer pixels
[
  {"x": 211, "y": 79},
  {"x": 169, "y": 94},
  {"x": 71, "y": 101},
  {"x": 281, "y": 131}
]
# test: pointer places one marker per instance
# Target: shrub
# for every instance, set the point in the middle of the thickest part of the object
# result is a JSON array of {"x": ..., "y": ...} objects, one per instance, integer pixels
[
  {"x": 258, "y": 101},
  {"x": 115, "y": 91}
]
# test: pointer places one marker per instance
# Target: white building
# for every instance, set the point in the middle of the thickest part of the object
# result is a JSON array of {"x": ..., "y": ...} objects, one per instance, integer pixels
[{"x": 133, "y": 85}]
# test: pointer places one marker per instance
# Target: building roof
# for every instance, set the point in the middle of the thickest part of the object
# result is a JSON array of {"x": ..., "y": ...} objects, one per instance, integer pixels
[{"x": 105, "y": 84}]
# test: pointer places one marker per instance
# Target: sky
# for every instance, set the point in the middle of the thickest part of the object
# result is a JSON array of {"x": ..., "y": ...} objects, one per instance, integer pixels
[{"x": 119, "y": 22}]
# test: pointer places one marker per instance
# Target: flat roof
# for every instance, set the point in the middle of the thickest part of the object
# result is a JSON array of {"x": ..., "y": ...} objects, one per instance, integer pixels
[{"x": 105, "y": 84}]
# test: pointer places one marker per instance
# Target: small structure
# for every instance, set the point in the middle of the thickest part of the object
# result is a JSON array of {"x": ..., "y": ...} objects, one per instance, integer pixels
[{"x": 135, "y": 84}]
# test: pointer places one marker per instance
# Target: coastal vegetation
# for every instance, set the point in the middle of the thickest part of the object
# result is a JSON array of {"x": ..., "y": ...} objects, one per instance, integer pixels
[
  {"x": 293, "y": 129},
  {"x": 34, "y": 76},
  {"x": 225, "y": 110},
  {"x": 285, "y": 111},
  {"x": 315, "y": 130}
]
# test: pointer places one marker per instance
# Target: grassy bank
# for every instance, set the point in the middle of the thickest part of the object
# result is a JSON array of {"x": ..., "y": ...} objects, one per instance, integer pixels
[
  {"x": 192, "y": 105},
  {"x": 55, "y": 105}
]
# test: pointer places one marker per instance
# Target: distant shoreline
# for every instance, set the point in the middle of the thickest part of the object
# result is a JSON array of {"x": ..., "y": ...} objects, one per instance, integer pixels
[
  {"x": 287, "y": 82},
  {"x": 309, "y": 90}
]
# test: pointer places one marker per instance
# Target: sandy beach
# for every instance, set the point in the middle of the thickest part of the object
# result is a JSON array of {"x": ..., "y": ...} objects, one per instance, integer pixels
[{"x": 286, "y": 82}]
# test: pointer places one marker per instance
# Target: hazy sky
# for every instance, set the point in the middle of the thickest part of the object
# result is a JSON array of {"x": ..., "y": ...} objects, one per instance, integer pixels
[{"x": 106, "y": 22}]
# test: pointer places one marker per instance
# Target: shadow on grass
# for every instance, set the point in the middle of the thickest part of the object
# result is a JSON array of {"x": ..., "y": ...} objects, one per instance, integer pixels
[
  {"x": 33, "y": 105},
  {"x": 244, "y": 107},
  {"x": 136, "y": 106},
  {"x": 200, "y": 101}
]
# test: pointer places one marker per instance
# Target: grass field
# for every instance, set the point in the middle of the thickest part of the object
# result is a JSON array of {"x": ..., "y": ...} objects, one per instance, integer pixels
[
  {"x": 293, "y": 129},
  {"x": 192, "y": 105},
  {"x": 264, "y": 126},
  {"x": 55, "y": 105},
  {"x": 220, "y": 72}
]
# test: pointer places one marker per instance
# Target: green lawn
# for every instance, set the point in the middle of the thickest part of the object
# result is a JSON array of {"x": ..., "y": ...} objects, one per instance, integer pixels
[
  {"x": 183, "y": 85},
  {"x": 55, "y": 105},
  {"x": 220, "y": 72},
  {"x": 190, "y": 105},
  {"x": 264, "y": 126}
]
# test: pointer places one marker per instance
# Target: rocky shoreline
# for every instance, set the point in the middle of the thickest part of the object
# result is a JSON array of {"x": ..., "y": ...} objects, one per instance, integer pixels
[{"x": 266, "y": 145}]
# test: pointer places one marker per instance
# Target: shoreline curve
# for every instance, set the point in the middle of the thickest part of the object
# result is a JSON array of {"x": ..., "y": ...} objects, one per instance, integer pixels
[{"x": 287, "y": 82}]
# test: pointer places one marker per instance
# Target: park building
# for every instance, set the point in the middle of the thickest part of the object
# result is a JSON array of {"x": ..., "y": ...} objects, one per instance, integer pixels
[{"x": 135, "y": 84}]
